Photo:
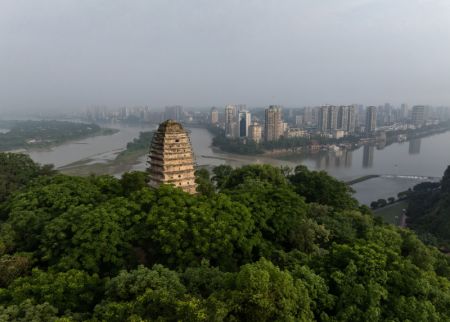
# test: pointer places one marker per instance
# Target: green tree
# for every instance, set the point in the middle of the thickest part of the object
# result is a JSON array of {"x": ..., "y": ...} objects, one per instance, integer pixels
[
  {"x": 28, "y": 311},
  {"x": 265, "y": 293},
  {"x": 16, "y": 171},
  {"x": 260, "y": 172},
  {"x": 149, "y": 294},
  {"x": 203, "y": 181},
  {"x": 221, "y": 174},
  {"x": 445, "y": 182},
  {"x": 134, "y": 181},
  {"x": 181, "y": 229},
  {"x": 74, "y": 290},
  {"x": 319, "y": 187}
]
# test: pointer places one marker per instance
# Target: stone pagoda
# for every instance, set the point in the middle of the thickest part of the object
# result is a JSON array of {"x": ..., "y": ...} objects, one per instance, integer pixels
[{"x": 171, "y": 157}]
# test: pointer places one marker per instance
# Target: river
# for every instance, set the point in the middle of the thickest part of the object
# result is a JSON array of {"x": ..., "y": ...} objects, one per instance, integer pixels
[{"x": 401, "y": 165}]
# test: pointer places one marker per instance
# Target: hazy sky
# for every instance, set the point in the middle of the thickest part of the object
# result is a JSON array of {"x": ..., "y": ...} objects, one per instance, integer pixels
[{"x": 76, "y": 53}]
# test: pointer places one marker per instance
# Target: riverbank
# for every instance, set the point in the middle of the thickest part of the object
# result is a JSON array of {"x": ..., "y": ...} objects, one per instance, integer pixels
[
  {"x": 123, "y": 162},
  {"x": 392, "y": 213}
]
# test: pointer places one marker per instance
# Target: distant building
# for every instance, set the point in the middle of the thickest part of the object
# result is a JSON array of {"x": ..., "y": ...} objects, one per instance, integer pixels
[
  {"x": 231, "y": 122},
  {"x": 244, "y": 123},
  {"x": 332, "y": 118},
  {"x": 342, "y": 120},
  {"x": 174, "y": 113},
  {"x": 322, "y": 121},
  {"x": 351, "y": 119},
  {"x": 338, "y": 134},
  {"x": 296, "y": 133},
  {"x": 214, "y": 116},
  {"x": 299, "y": 120},
  {"x": 171, "y": 157},
  {"x": 418, "y": 115},
  {"x": 273, "y": 127},
  {"x": 371, "y": 119},
  {"x": 308, "y": 116},
  {"x": 255, "y": 132}
]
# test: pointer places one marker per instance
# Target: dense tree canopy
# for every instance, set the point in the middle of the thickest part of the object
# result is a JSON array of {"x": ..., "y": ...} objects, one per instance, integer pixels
[
  {"x": 429, "y": 210},
  {"x": 255, "y": 244}
]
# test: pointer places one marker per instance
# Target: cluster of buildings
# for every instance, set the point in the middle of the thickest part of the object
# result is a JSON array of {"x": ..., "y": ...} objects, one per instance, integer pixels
[
  {"x": 143, "y": 114},
  {"x": 238, "y": 123},
  {"x": 328, "y": 121},
  {"x": 337, "y": 120},
  {"x": 272, "y": 123}
]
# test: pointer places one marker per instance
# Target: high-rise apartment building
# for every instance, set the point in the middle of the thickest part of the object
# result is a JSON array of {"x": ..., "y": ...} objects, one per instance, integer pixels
[
  {"x": 371, "y": 119},
  {"x": 214, "y": 116},
  {"x": 231, "y": 121},
  {"x": 342, "y": 120},
  {"x": 418, "y": 115},
  {"x": 255, "y": 132},
  {"x": 273, "y": 127},
  {"x": 322, "y": 120},
  {"x": 308, "y": 117},
  {"x": 404, "y": 111},
  {"x": 332, "y": 117},
  {"x": 351, "y": 119},
  {"x": 299, "y": 119},
  {"x": 244, "y": 123}
]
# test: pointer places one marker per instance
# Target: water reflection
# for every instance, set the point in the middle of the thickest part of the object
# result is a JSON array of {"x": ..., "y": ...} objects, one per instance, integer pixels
[
  {"x": 414, "y": 146},
  {"x": 368, "y": 152}
]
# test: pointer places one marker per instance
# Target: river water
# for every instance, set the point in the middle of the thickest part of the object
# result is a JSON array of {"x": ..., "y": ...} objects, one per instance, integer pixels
[{"x": 400, "y": 165}]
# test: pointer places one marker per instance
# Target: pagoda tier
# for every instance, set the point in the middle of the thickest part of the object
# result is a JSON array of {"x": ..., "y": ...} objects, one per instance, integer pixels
[{"x": 171, "y": 158}]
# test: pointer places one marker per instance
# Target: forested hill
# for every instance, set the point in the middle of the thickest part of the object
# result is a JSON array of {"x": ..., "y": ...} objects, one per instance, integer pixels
[{"x": 256, "y": 244}]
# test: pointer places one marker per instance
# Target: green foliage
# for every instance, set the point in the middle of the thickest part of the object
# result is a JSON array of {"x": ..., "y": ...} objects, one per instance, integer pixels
[
  {"x": 147, "y": 293},
  {"x": 445, "y": 182},
  {"x": 72, "y": 290},
  {"x": 221, "y": 174},
  {"x": 429, "y": 210},
  {"x": 319, "y": 187},
  {"x": 133, "y": 181},
  {"x": 16, "y": 171},
  {"x": 140, "y": 143},
  {"x": 27, "y": 311},
  {"x": 262, "y": 172},
  {"x": 184, "y": 229},
  {"x": 204, "y": 184},
  {"x": 268, "y": 246}
]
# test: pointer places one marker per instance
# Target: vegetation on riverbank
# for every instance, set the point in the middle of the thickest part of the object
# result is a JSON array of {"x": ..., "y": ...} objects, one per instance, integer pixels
[
  {"x": 42, "y": 134},
  {"x": 392, "y": 213},
  {"x": 123, "y": 162},
  {"x": 296, "y": 144},
  {"x": 429, "y": 210},
  {"x": 249, "y": 147},
  {"x": 256, "y": 244},
  {"x": 392, "y": 136}
]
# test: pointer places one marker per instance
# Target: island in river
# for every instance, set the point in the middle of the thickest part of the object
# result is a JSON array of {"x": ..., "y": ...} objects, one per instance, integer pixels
[{"x": 44, "y": 134}]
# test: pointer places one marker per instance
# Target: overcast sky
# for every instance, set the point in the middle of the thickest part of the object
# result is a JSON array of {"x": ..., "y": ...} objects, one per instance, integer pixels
[{"x": 75, "y": 53}]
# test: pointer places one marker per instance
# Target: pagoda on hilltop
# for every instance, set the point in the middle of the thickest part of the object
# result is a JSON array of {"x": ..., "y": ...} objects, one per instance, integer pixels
[{"x": 171, "y": 157}]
